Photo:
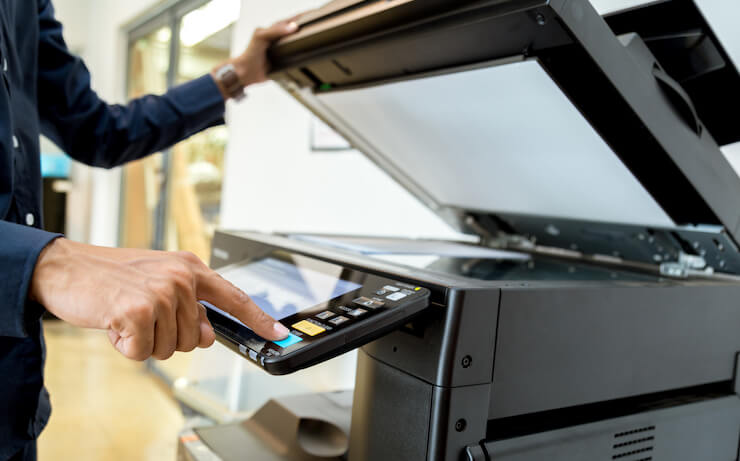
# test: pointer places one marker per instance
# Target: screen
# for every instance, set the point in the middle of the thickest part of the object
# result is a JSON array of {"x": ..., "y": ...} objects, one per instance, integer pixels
[{"x": 282, "y": 289}]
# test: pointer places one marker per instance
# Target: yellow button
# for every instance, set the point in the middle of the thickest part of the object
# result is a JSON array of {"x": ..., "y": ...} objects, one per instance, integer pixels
[{"x": 304, "y": 326}]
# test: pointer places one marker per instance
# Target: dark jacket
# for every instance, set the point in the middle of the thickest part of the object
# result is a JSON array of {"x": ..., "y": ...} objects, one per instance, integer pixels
[{"x": 46, "y": 89}]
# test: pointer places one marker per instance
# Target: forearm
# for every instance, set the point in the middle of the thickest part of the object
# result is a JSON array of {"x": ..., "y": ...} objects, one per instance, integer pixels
[
  {"x": 110, "y": 135},
  {"x": 148, "y": 301}
]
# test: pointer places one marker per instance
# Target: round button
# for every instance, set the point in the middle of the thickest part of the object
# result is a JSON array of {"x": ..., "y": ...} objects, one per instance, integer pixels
[{"x": 30, "y": 219}]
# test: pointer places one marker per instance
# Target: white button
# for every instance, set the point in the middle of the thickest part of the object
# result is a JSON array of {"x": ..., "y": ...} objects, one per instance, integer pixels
[
  {"x": 396, "y": 296},
  {"x": 5, "y": 65},
  {"x": 30, "y": 219},
  {"x": 16, "y": 144}
]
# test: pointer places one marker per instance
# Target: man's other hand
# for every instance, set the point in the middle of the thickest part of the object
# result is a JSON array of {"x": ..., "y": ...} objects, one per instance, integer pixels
[
  {"x": 146, "y": 300},
  {"x": 252, "y": 66}
]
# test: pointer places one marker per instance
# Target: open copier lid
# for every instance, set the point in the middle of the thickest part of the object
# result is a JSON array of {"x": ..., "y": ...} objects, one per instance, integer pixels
[{"x": 538, "y": 124}]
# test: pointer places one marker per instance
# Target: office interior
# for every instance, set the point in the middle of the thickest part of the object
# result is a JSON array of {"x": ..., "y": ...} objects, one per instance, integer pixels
[{"x": 276, "y": 167}]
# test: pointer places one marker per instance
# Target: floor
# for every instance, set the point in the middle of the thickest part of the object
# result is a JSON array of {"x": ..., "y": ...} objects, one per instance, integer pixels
[{"x": 105, "y": 407}]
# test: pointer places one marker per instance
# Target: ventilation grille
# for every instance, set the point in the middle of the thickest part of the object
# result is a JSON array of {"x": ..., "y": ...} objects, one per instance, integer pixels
[{"x": 634, "y": 444}]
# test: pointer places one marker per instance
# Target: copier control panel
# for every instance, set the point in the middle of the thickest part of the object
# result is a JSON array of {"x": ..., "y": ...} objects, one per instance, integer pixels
[{"x": 329, "y": 309}]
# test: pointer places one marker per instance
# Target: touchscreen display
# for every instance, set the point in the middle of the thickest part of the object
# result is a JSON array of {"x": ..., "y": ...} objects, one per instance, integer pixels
[{"x": 281, "y": 288}]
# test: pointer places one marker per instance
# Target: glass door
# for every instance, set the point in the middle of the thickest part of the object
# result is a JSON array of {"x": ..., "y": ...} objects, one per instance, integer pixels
[
  {"x": 172, "y": 200},
  {"x": 143, "y": 180}
]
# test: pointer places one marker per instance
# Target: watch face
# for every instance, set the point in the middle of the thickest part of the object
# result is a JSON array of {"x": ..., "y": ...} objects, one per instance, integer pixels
[{"x": 230, "y": 80}]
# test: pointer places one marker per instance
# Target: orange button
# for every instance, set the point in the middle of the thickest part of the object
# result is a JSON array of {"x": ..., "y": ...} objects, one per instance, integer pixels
[{"x": 311, "y": 329}]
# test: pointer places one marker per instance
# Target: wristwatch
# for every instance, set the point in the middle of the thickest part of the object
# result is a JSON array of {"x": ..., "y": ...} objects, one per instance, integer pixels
[{"x": 228, "y": 78}]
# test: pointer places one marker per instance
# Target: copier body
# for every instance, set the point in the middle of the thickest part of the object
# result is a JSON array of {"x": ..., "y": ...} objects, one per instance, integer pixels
[
  {"x": 618, "y": 340},
  {"x": 542, "y": 369}
]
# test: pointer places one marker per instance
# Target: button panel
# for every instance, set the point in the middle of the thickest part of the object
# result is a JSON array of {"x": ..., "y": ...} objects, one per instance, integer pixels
[
  {"x": 396, "y": 296},
  {"x": 338, "y": 320},
  {"x": 311, "y": 329},
  {"x": 340, "y": 314},
  {"x": 289, "y": 341},
  {"x": 367, "y": 302}
]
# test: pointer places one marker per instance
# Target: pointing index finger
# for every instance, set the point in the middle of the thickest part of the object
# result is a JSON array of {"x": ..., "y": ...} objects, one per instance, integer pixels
[{"x": 226, "y": 296}]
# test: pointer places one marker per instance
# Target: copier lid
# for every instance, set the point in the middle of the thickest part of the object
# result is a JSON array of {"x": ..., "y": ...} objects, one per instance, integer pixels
[{"x": 524, "y": 111}]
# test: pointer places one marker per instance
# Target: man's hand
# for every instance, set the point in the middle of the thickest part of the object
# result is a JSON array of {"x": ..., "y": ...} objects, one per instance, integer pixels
[
  {"x": 147, "y": 300},
  {"x": 252, "y": 66}
]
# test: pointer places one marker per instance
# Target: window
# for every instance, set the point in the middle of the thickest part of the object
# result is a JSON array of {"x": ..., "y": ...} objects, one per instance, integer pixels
[{"x": 172, "y": 200}]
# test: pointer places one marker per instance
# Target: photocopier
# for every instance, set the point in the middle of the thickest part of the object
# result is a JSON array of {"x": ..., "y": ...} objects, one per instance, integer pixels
[{"x": 597, "y": 314}]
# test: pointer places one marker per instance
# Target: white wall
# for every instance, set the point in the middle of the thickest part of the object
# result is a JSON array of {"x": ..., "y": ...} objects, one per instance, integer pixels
[{"x": 274, "y": 182}]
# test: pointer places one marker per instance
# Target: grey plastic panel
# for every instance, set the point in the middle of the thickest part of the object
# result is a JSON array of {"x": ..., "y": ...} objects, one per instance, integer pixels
[
  {"x": 706, "y": 431},
  {"x": 390, "y": 415},
  {"x": 567, "y": 347}
]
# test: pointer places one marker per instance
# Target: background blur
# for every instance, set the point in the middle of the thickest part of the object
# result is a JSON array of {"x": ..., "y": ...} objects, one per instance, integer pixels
[{"x": 233, "y": 177}]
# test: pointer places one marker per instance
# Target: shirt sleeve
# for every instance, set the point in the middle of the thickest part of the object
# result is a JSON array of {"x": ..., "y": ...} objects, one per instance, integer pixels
[
  {"x": 20, "y": 247},
  {"x": 98, "y": 134}
]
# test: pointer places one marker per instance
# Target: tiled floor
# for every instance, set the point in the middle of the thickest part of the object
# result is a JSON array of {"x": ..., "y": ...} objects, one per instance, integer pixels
[{"x": 105, "y": 407}]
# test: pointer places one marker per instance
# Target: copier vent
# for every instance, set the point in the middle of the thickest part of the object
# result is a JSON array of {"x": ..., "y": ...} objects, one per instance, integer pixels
[{"x": 634, "y": 445}]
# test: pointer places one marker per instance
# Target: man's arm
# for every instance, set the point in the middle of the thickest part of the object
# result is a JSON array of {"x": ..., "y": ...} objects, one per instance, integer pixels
[
  {"x": 98, "y": 134},
  {"x": 146, "y": 300},
  {"x": 20, "y": 247}
]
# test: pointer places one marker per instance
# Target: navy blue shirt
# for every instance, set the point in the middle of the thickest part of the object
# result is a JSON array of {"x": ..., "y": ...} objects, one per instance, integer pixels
[{"x": 46, "y": 89}]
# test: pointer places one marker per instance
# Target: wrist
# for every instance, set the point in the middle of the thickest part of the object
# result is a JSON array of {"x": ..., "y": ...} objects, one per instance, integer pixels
[
  {"x": 49, "y": 262},
  {"x": 232, "y": 78}
]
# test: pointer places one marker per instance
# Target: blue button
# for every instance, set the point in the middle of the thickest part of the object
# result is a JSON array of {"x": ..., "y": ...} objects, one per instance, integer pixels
[{"x": 289, "y": 341}]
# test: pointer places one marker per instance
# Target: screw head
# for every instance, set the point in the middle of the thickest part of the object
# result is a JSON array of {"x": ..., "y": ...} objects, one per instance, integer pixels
[
  {"x": 467, "y": 361},
  {"x": 460, "y": 425},
  {"x": 541, "y": 19}
]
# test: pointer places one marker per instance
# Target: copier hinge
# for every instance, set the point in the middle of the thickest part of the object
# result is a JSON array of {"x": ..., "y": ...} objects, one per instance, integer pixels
[
  {"x": 687, "y": 265},
  {"x": 500, "y": 239}
]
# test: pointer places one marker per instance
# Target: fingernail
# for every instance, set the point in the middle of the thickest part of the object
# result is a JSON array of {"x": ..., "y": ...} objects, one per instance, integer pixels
[
  {"x": 281, "y": 330},
  {"x": 292, "y": 26}
]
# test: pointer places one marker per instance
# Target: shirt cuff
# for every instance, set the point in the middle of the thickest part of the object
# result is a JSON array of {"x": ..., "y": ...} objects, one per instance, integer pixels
[
  {"x": 20, "y": 247},
  {"x": 201, "y": 102}
]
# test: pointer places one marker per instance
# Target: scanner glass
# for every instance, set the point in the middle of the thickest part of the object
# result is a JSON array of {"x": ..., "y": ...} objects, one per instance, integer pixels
[{"x": 519, "y": 145}]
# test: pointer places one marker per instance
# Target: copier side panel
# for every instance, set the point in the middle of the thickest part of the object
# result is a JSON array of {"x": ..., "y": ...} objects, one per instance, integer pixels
[
  {"x": 450, "y": 345},
  {"x": 559, "y": 348}
]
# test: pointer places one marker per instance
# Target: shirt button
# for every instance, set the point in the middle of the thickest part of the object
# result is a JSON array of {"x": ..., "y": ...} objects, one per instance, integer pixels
[
  {"x": 16, "y": 144},
  {"x": 30, "y": 219},
  {"x": 5, "y": 64}
]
